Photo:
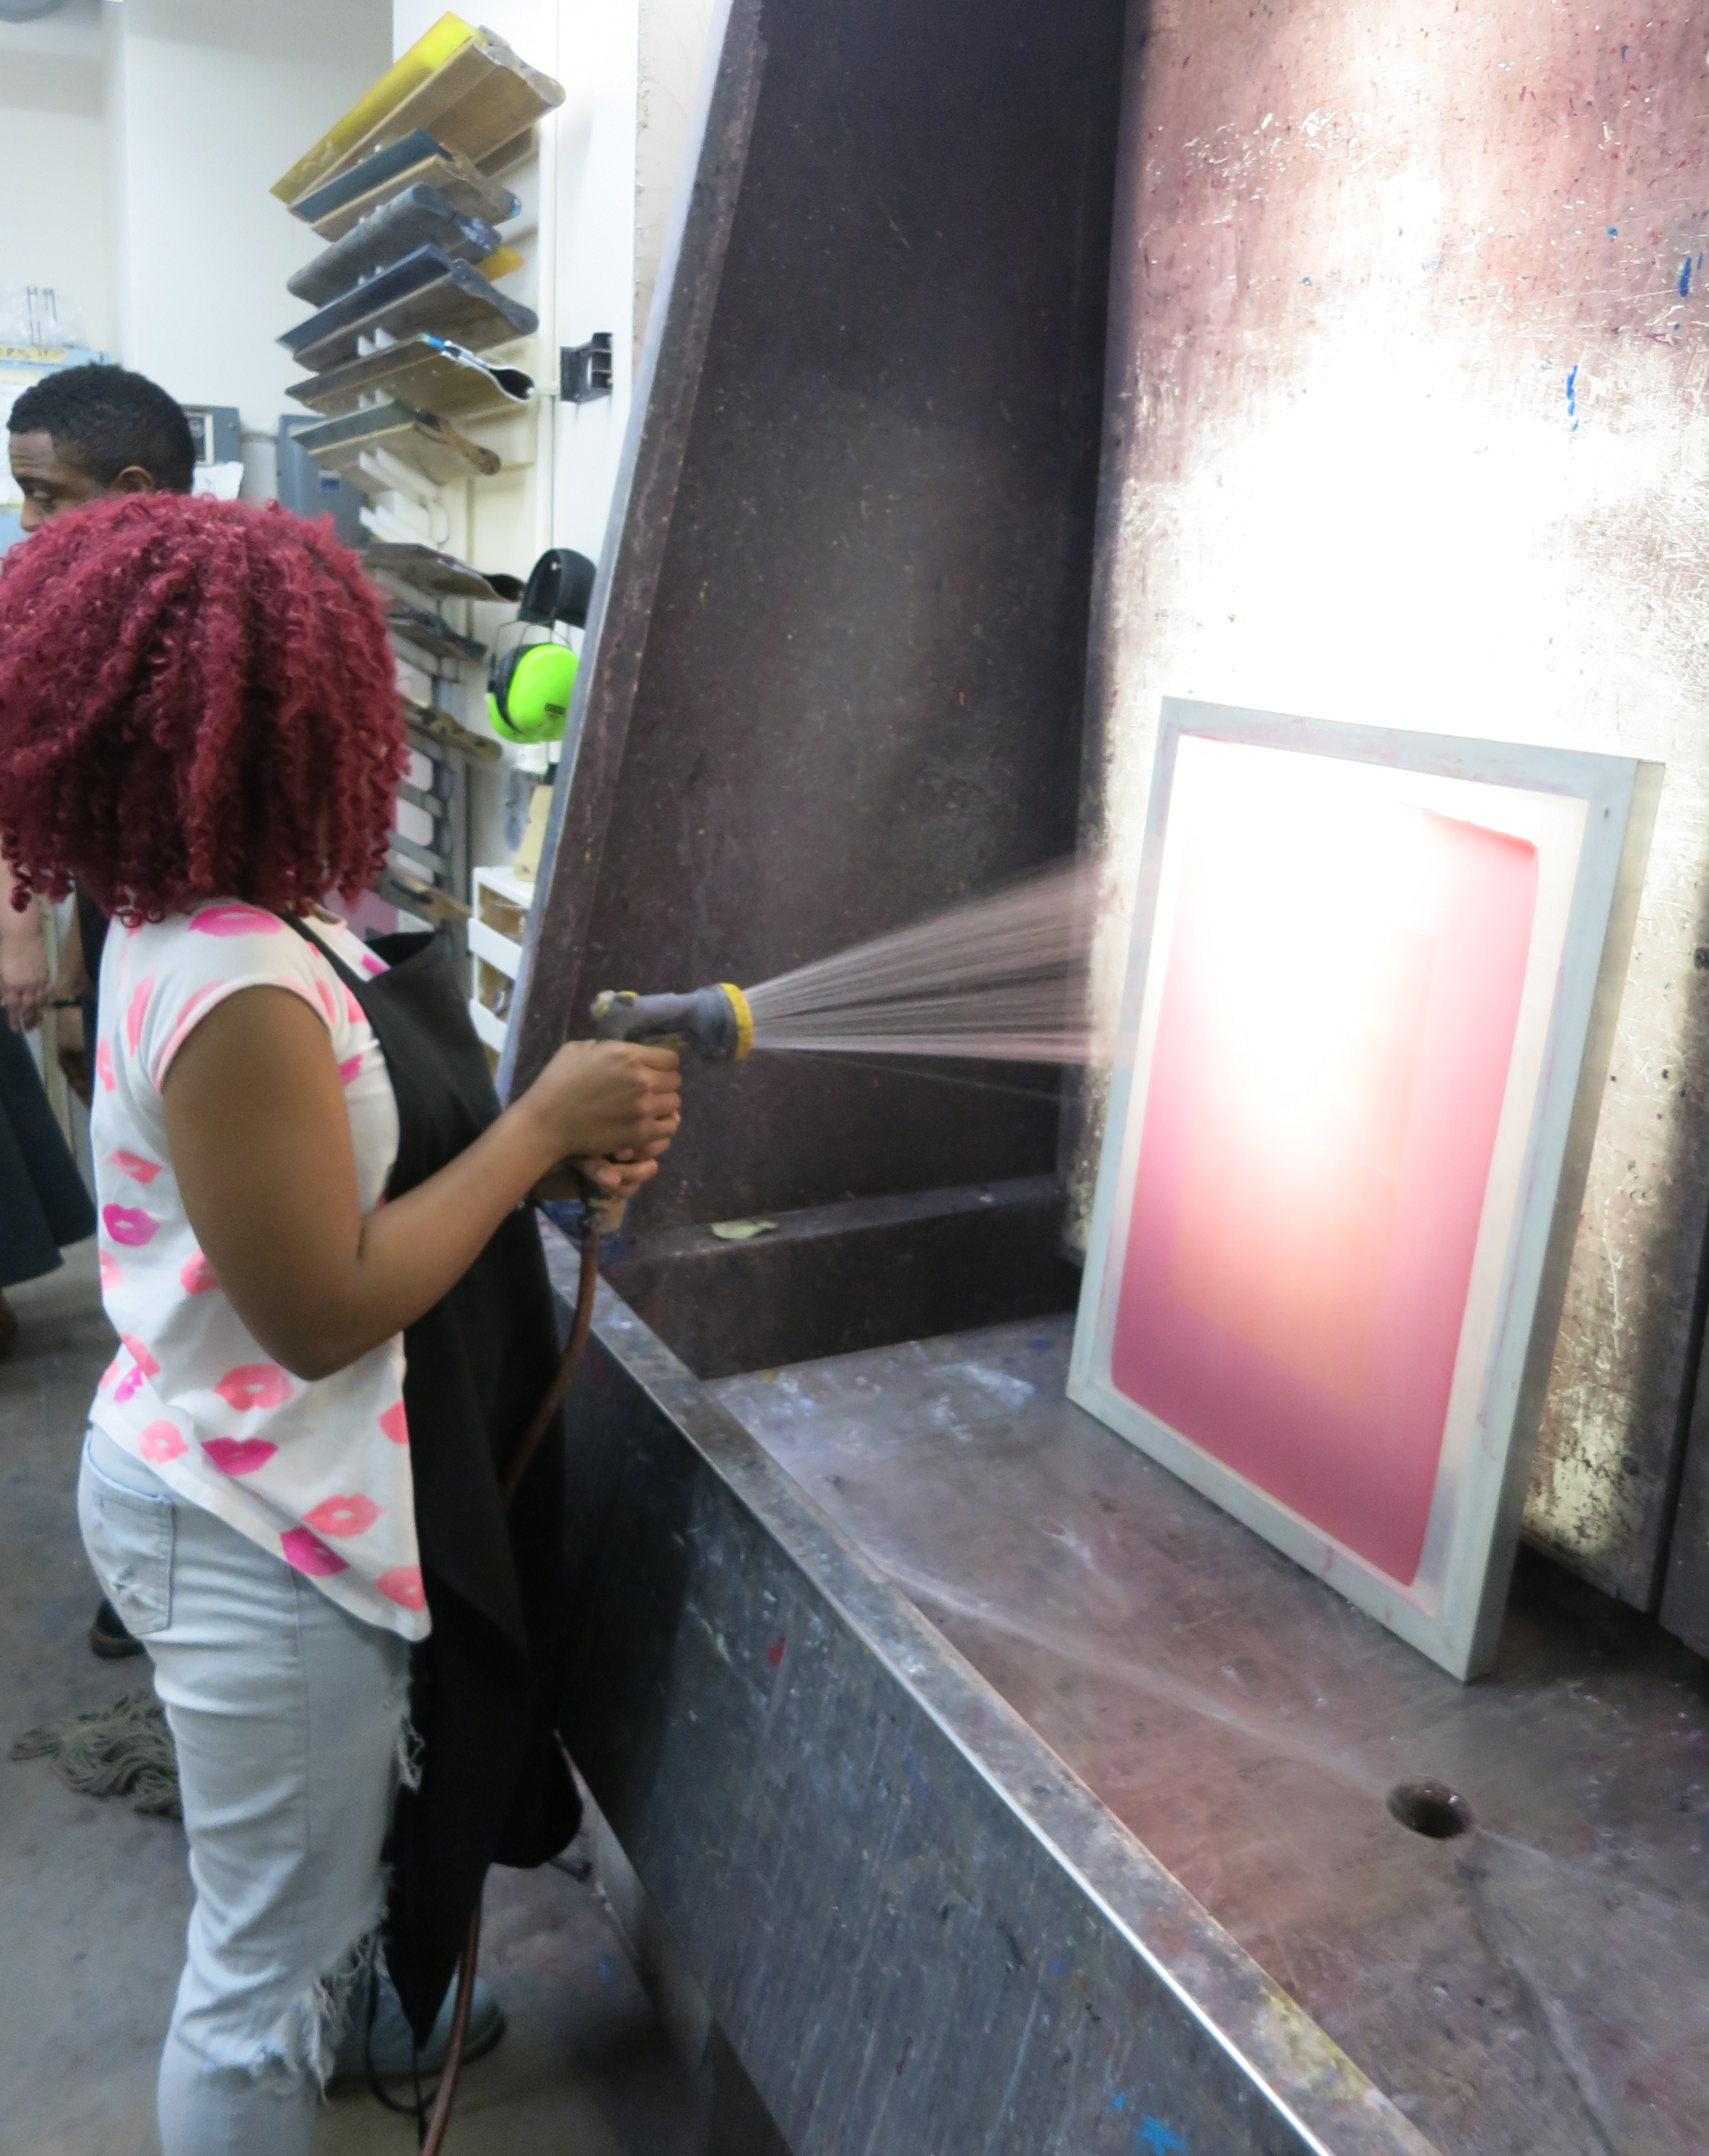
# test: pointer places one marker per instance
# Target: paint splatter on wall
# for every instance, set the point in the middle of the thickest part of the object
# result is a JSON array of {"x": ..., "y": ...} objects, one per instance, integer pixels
[{"x": 1409, "y": 422}]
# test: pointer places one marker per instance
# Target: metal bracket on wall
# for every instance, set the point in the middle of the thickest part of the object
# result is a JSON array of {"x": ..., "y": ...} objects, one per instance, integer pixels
[{"x": 584, "y": 370}]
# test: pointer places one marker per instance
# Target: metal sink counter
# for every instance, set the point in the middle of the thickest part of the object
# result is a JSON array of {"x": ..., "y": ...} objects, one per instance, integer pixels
[
  {"x": 918, "y": 1931},
  {"x": 1541, "y": 1984}
]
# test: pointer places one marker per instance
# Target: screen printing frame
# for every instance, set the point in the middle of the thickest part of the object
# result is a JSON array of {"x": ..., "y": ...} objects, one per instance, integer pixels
[{"x": 1576, "y": 966}]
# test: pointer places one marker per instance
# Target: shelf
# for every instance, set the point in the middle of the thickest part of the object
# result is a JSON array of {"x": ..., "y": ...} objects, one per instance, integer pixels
[
  {"x": 427, "y": 444},
  {"x": 426, "y": 292},
  {"x": 400, "y": 886},
  {"x": 496, "y": 928},
  {"x": 418, "y": 828},
  {"x": 334, "y": 210},
  {"x": 423, "y": 568},
  {"x": 429, "y": 634},
  {"x": 497, "y": 949},
  {"x": 464, "y": 87},
  {"x": 502, "y": 902},
  {"x": 491, "y": 1030},
  {"x": 495, "y": 991},
  {"x": 517, "y": 890},
  {"x": 425, "y": 773},
  {"x": 444, "y": 732},
  {"x": 418, "y": 215},
  {"x": 426, "y": 372}
]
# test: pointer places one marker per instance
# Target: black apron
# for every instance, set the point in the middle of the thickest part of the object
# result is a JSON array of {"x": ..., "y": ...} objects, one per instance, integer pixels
[{"x": 495, "y": 1787}]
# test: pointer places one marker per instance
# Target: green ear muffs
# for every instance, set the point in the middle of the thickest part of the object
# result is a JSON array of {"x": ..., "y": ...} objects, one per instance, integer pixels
[
  {"x": 528, "y": 692},
  {"x": 528, "y": 687}
]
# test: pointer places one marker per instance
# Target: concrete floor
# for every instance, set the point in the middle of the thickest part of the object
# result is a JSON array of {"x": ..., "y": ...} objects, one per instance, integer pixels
[{"x": 93, "y": 1900}]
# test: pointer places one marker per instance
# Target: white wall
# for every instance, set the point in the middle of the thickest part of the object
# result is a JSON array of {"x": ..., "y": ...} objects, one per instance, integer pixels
[
  {"x": 583, "y": 215},
  {"x": 596, "y": 252},
  {"x": 54, "y": 226},
  {"x": 673, "y": 49},
  {"x": 209, "y": 101},
  {"x": 577, "y": 236}
]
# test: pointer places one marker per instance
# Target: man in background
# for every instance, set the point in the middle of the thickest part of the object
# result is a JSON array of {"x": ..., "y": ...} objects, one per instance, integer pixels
[{"x": 91, "y": 433}]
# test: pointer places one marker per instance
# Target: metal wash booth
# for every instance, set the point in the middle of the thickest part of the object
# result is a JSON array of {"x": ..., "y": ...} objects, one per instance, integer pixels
[{"x": 999, "y": 1794}]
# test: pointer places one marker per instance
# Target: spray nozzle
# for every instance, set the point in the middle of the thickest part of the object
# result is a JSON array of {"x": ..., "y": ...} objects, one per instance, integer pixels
[{"x": 714, "y": 1023}]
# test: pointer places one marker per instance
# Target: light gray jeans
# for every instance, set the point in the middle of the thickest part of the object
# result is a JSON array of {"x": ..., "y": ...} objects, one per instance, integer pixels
[{"x": 289, "y": 1716}]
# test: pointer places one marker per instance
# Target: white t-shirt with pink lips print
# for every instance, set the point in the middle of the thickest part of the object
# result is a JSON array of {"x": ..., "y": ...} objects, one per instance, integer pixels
[{"x": 318, "y": 1472}]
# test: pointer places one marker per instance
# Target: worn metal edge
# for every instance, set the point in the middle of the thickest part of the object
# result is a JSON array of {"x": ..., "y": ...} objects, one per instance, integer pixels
[
  {"x": 667, "y": 385},
  {"x": 1306, "y": 2082}
]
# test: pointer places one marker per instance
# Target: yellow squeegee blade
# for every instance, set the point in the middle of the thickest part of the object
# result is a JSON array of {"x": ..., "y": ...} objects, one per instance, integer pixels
[{"x": 405, "y": 76}]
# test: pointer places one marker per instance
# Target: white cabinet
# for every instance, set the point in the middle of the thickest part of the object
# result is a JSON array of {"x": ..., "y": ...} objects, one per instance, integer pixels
[{"x": 501, "y": 904}]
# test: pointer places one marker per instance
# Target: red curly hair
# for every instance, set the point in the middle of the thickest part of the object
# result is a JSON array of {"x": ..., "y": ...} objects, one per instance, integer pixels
[{"x": 196, "y": 701}]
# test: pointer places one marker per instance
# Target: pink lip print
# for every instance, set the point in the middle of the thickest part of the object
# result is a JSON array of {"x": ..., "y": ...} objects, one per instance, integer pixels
[
  {"x": 137, "y": 1011},
  {"x": 128, "y": 1224},
  {"x": 352, "y": 1008},
  {"x": 196, "y": 1277},
  {"x": 234, "y": 920},
  {"x": 109, "y": 1268},
  {"x": 371, "y": 964},
  {"x": 135, "y": 1167},
  {"x": 329, "y": 1000},
  {"x": 104, "y": 1065},
  {"x": 347, "y": 1071},
  {"x": 342, "y": 1516},
  {"x": 238, "y": 1455},
  {"x": 396, "y": 1424},
  {"x": 403, "y": 1585},
  {"x": 160, "y": 1442},
  {"x": 304, "y": 1552},
  {"x": 142, "y": 1365},
  {"x": 255, "y": 1385},
  {"x": 139, "y": 1355}
]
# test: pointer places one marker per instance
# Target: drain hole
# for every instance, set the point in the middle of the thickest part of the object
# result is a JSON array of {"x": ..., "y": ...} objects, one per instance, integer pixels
[{"x": 1432, "y": 1808}]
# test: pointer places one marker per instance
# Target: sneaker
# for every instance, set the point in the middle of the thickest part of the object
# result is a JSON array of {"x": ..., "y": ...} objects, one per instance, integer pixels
[
  {"x": 108, "y": 1638},
  {"x": 377, "y": 2039}
]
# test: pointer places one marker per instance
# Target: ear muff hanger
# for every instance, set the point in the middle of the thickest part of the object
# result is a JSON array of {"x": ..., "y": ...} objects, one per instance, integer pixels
[{"x": 528, "y": 685}]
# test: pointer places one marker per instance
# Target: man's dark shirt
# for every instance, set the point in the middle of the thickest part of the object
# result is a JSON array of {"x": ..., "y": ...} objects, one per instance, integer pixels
[{"x": 92, "y": 932}]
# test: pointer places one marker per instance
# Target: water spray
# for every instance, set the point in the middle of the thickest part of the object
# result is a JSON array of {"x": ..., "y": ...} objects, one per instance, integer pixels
[{"x": 1001, "y": 978}]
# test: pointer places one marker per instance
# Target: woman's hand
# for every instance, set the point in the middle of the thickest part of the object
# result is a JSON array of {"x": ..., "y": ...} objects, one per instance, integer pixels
[
  {"x": 597, "y": 1098},
  {"x": 74, "y": 1054},
  {"x": 260, "y": 1140},
  {"x": 25, "y": 982},
  {"x": 603, "y": 1182}
]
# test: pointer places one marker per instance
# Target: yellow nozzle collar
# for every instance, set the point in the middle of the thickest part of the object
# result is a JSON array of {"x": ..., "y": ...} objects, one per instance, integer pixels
[{"x": 744, "y": 1019}]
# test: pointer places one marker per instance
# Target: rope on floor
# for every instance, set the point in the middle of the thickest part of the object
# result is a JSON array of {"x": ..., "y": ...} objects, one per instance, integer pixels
[{"x": 124, "y": 1750}]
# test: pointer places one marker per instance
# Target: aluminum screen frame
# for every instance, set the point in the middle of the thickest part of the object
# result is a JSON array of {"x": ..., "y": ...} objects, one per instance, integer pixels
[{"x": 1590, "y": 818}]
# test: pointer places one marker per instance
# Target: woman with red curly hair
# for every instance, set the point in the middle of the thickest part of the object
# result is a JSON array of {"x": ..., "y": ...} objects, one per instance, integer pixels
[{"x": 333, "y": 1318}]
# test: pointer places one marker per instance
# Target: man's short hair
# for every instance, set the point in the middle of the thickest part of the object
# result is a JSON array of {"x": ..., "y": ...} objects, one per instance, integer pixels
[{"x": 104, "y": 419}]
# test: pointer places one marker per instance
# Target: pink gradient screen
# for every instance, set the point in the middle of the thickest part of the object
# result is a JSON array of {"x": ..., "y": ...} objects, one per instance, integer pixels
[{"x": 1336, "y": 1027}]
